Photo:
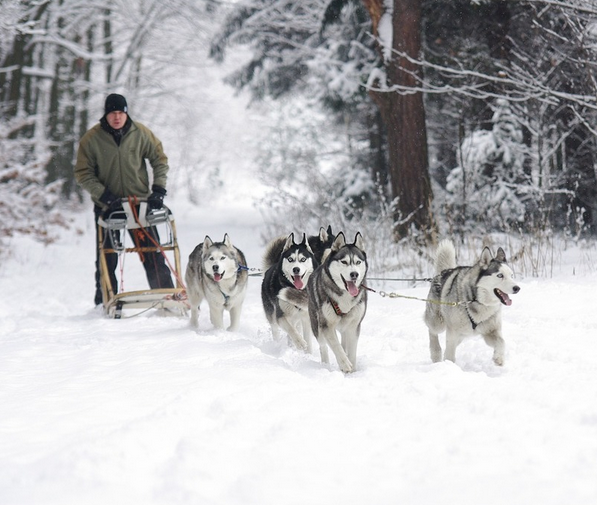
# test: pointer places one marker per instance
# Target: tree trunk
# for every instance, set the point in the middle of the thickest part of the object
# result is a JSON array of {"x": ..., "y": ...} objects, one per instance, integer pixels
[
  {"x": 108, "y": 48},
  {"x": 404, "y": 116}
]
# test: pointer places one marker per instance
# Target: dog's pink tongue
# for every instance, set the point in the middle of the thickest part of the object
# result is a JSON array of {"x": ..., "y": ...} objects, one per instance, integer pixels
[
  {"x": 217, "y": 277},
  {"x": 507, "y": 300},
  {"x": 352, "y": 288},
  {"x": 298, "y": 282}
]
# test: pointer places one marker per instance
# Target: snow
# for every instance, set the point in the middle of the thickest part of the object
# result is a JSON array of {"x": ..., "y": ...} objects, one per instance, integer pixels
[
  {"x": 385, "y": 30},
  {"x": 147, "y": 410}
]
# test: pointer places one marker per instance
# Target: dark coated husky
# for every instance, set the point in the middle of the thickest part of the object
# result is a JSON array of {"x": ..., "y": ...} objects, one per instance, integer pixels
[{"x": 288, "y": 267}]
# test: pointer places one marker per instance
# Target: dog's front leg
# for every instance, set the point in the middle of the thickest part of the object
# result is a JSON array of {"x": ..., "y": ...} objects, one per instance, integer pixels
[
  {"x": 194, "y": 316},
  {"x": 332, "y": 339},
  {"x": 435, "y": 349},
  {"x": 494, "y": 339},
  {"x": 216, "y": 316},
  {"x": 294, "y": 335},
  {"x": 350, "y": 339},
  {"x": 323, "y": 350},
  {"x": 307, "y": 333},
  {"x": 234, "y": 318},
  {"x": 275, "y": 330},
  {"x": 194, "y": 302},
  {"x": 452, "y": 342}
]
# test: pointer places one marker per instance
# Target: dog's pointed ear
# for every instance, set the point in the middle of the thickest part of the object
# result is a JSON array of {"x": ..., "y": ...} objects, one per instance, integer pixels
[
  {"x": 323, "y": 234},
  {"x": 358, "y": 241},
  {"x": 486, "y": 257},
  {"x": 289, "y": 242},
  {"x": 339, "y": 242},
  {"x": 227, "y": 242},
  {"x": 207, "y": 243},
  {"x": 305, "y": 242},
  {"x": 501, "y": 255}
]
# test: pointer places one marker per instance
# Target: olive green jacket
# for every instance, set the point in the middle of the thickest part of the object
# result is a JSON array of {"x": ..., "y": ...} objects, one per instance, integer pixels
[{"x": 122, "y": 169}]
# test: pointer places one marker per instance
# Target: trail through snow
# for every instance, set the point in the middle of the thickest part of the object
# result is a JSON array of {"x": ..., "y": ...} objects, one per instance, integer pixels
[{"x": 147, "y": 411}]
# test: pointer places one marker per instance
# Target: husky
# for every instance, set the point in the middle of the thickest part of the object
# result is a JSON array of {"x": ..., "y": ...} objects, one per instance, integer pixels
[
  {"x": 467, "y": 300},
  {"x": 288, "y": 267},
  {"x": 321, "y": 243},
  {"x": 217, "y": 271},
  {"x": 338, "y": 300}
]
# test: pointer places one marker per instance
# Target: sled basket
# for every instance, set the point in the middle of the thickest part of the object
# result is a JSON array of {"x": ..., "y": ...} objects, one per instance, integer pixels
[{"x": 112, "y": 234}]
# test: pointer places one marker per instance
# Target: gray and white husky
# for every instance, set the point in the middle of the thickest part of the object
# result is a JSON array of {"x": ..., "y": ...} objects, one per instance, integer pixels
[
  {"x": 217, "y": 272},
  {"x": 467, "y": 300},
  {"x": 288, "y": 268},
  {"x": 338, "y": 300}
]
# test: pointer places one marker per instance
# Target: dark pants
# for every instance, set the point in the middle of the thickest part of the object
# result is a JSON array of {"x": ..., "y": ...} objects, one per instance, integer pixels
[{"x": 158, "y": 273}]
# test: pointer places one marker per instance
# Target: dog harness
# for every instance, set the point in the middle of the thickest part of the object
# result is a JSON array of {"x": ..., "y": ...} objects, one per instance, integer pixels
[
  {"x": 470, "y": 318},
  {"x": 336, "y": 308}
]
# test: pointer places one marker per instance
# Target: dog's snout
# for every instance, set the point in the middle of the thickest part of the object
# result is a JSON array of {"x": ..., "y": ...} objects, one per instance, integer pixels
[
  {"x": 516, "y": 289},
  {"x": 216, "y": 268},
  {"x": 354, "y": 276},
  {"x": 296, "y": 270}
]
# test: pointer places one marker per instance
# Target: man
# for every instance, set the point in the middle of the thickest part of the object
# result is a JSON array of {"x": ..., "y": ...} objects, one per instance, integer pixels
[{"x": 110, "y": 166}]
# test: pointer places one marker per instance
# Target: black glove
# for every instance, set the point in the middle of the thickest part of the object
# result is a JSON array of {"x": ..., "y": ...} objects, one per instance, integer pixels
[
  {"x": 156, "y": 199},
  {"x": 113, "y": 202}
]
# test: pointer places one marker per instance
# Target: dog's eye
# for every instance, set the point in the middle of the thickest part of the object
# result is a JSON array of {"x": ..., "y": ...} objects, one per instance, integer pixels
[
  {"x": 358, "y": 262},
  {"x": 344, "y": 262},
  {"x": 290, "y": 260},
  {"x": 302, "y": 260},
  {"x": 500, "y": 276}
]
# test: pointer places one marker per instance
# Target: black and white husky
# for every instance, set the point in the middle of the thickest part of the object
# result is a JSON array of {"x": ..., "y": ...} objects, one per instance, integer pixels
[
  {"x": 465, "y": 301},
  {"x": 288, "y": 267},
  {"x": 321, "y": 243},
  {"x": 217, "y": 272},
  {"x": 338, "y": 300}
]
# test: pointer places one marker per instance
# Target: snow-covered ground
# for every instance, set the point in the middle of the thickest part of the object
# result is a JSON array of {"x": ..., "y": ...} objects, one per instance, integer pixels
[{"x": 147, "y": 411}]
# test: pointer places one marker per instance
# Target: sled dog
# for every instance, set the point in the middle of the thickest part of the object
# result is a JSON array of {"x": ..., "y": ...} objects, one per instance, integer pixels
[
  {"x": 467, "y": 300},
  {"x": 217, "y": 271},
  {"x": 338, "y": 300},
  {"x": 321, "y": 243},
  {"x": 288, "y": 267}
]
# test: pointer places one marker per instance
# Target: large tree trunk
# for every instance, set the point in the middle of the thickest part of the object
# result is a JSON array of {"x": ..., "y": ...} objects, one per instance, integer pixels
[{"x": 403, "y": 113}]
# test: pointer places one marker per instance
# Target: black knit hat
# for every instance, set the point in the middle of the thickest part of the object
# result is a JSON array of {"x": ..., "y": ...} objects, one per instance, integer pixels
[{"x": 115, "y": 102}]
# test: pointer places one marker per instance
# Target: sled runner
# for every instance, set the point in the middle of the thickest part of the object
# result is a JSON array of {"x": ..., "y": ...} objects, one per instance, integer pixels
[{"x": 158, "y": 228}]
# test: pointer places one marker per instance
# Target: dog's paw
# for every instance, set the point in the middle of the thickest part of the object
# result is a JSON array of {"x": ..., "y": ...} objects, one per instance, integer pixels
[
  {"x": 498, "y": 360},
  {"x": 300, "y": 344},
  {"x": 436, "y": 357},
  {"x": 346, "y": 366}
]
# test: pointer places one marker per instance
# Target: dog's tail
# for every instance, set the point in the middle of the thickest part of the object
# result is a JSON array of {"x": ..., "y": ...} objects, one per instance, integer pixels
[
  {"x": 445, "y": 256},
  {"x": 273, "y": 251}
]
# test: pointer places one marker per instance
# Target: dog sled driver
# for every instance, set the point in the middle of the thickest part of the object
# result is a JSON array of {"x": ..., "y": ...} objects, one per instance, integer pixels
[{"x": 110, "y": 166}]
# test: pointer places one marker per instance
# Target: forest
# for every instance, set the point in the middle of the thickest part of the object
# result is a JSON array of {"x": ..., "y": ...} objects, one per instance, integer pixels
[{"x": 431, "y": 116}]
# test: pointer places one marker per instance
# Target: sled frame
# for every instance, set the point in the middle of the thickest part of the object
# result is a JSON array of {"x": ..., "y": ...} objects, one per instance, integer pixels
[{"x": 173, "y": 300}]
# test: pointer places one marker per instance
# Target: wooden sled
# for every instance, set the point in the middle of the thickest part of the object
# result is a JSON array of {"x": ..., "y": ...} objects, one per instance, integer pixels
[{"x": 112, "y": 233}]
